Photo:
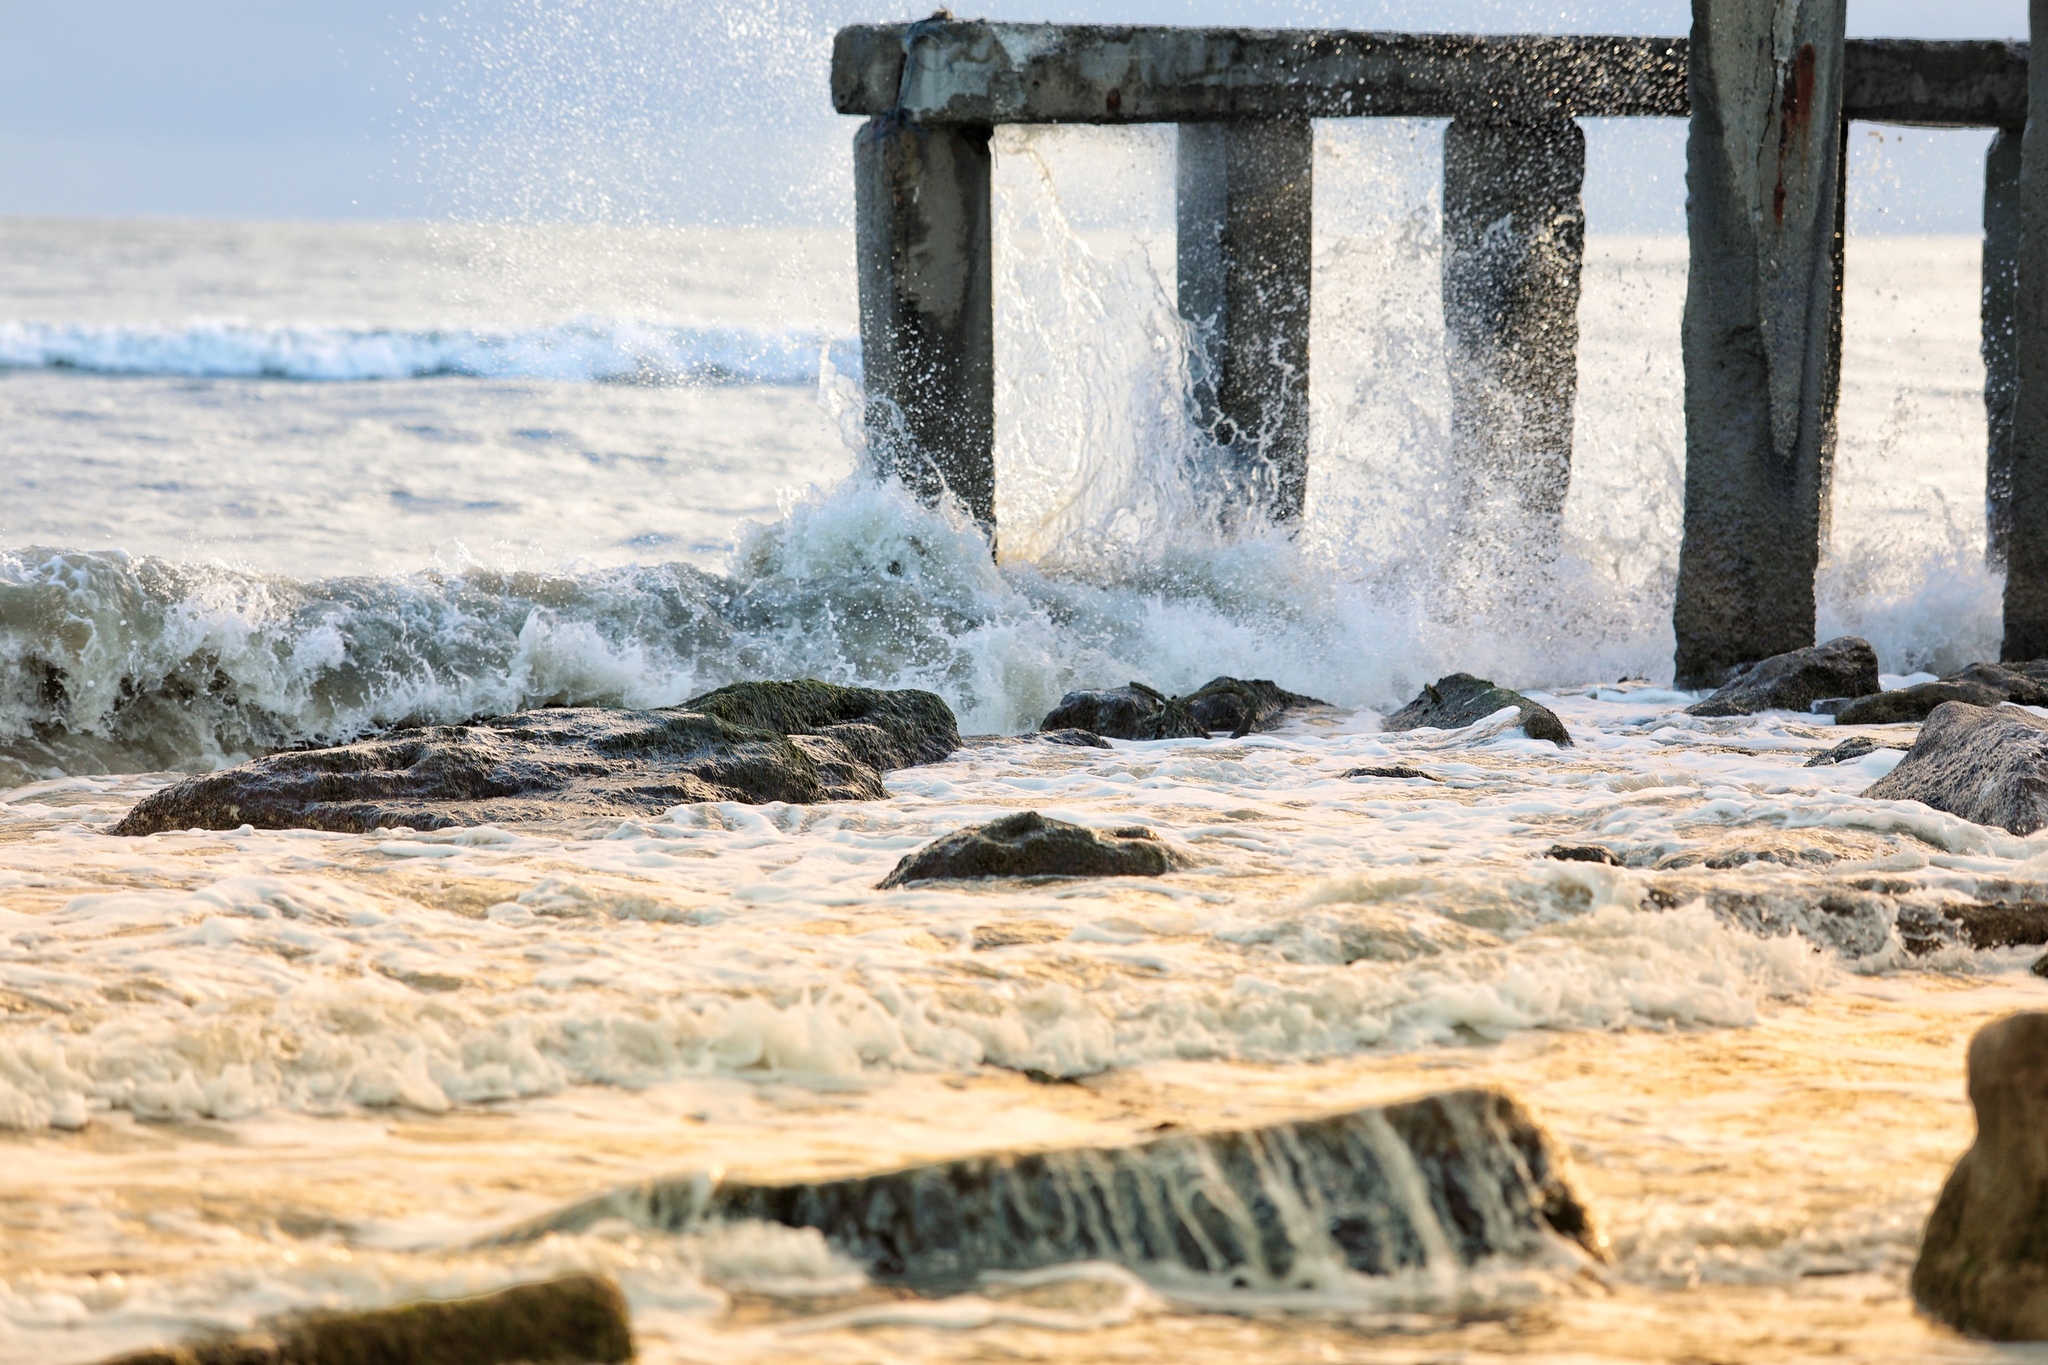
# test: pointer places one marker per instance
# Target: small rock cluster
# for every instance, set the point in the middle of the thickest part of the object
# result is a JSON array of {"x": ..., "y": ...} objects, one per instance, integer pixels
[
  {"x": 1134, "y": 711},
  {"x": 753, "y": 742}
]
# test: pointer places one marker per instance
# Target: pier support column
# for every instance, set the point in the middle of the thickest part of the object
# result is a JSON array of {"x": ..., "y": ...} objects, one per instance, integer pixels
[
  {"x": 927, "y": 316},
  {"x": 1514, "y": 242},
  {"x": 2001, "y": 360},
  {"x": 1763, "y": 326},
  {"x": 2026, "y": 529},
  {"x": 1245, "y": 195}
]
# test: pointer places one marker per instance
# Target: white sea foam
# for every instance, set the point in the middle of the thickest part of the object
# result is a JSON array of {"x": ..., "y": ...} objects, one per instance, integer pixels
[{"x": 582, "y": 351}]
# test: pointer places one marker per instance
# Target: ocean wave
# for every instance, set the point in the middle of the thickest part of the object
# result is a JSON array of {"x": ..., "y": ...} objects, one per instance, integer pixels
[{"x": 581, "y": 351}]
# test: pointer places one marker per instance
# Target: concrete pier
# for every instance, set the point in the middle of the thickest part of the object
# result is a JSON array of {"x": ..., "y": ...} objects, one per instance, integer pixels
[
  {"x": 2001, "y": 360},
  {"x": 1514, "y": 242},
  {"x": 1762, "y": 328},
  {"x": 927, "y": 314},
  {"x": 1245, "y": 197},
  {"x": 2026, "y": 541}
]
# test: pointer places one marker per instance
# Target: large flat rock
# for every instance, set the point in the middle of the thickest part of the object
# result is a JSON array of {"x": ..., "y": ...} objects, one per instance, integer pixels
[
  {"x": 1988, "y": 764},
  {"x": 1440, "y": 1182},
  {"x": 799, "y": 742}
]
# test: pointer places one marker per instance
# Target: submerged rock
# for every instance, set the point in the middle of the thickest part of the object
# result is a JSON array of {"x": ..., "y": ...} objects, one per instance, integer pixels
[
  {"x": 1136, "y": 711},
  {"x": 1029, "y": 845},
  {"x": 579, "y": 1318},
  {"x": 1986, "y": 764},
  {"x": 1584, "y": 853},
  {"x": 1848, "y": 751},
  {"x": 1441, "y": 1182},
  {"x": 1391, "y": 770},
  {"x": 1846, "y": 667},
  {"x": 1453, "y": 702},
  {"x": 1078, "y": 739},
  {"x": 1983, "y": 1263},
  {"x": 756, "y": 742},
  {"x": 1979, "y": 685}
]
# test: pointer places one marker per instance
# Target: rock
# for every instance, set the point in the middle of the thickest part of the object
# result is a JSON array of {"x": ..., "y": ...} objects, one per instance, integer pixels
[
  {"x": 578, "y": 1318},
  {"x": 1136, "y": 711},
  {"x": 799, "y": 742},
  {"x": 1914, "y": 703},
  {"x": 1980, "y": 685},
  {"x": 1584, "y": 853},
  {"x": 1983, "y": 1263},
  {"x": 1453, "y": 702},
  {"x": 1441, "y": 1183},
  {"x": 1849, "y": 750},
  {"x": 1986, "y": 764},
  {"x": 1029, "y": 845},
  {"x": 2040, "y": 967},
  {"x": 1080, "y": 739},
  {"x": 1391, "y": 770},
  {"x": 1242, "y": 706},
  {"x": 1793, "y": 682}
]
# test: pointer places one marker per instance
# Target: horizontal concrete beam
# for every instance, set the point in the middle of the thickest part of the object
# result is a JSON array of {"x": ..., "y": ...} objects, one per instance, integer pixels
[
  {"x": 1936, "y": 85},
  {"x": 973, "y": 72}
]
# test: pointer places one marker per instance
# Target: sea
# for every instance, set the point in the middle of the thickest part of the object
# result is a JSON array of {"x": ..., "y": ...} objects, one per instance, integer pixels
[{"x": 271, "y": 484}]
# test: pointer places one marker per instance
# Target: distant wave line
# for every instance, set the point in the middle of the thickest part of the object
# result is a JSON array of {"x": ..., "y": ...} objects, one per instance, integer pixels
[{"x": 581, "y": 351}]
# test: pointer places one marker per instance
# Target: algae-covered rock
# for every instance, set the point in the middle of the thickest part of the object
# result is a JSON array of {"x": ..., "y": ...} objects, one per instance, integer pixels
[
  {"x": 799, "y": 742},
  {"x": 1235, "y": 705},
  {"x": 1453, "y": 702},
  {"x": 1029, "y": 845},
  {"x": 1987, "y": 764},
  {"x": 1983, "y": 1263},
  {"x": 576, "y": 1320},
  {"x": 1440, "y": 1183},
  {"x": 1794, "y": 681}
]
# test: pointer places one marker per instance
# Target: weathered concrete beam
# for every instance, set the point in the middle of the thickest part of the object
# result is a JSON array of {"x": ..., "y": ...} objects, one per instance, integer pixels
[
  {"x": 1763, "y": 326},
  {"x": 2026, "y": 541},
  {"x": 1514, "y": 241},
  {"x": 976, "y": 72},
  {"x": 1245, "y": 200},
  {"x": 1936, "y": 85},
  {"x": 2001, "y": 274},
  {"x": 927, "y": 317}
]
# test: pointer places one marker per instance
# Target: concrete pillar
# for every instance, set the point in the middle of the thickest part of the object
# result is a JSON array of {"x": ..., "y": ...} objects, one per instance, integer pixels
[
  {"x": 2001, "y": 360},
  {"x": 1514, "y": 240},
  {"x": 1245, "y": 194},
  {"x": 1763, "y": 326},
  {"x": 927, "y": 317},
  {"x": 2026, "y": 538}
]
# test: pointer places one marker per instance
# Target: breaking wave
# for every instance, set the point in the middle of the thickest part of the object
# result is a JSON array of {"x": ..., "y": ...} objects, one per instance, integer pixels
[{"x": 582, "y": 351}]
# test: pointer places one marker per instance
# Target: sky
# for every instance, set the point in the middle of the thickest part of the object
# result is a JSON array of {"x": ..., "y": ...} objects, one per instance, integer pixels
[{"x": 673, "y": 110}]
